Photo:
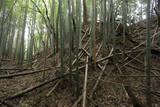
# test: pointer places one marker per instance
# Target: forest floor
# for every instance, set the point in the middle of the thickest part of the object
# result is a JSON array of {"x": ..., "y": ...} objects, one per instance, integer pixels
[{"x": 120, "y": 84}]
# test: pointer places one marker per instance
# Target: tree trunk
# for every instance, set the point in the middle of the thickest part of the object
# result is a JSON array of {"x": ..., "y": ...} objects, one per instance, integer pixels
[
  {"x": 22, "y": 44},
  {"x": 148, "y": 59},
  {"x": 158, "y": 12},
  {"x": 85, "y": 15}
]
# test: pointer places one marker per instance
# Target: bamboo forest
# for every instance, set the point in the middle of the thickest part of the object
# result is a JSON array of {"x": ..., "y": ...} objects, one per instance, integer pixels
[{"x": 79, "y": 53}]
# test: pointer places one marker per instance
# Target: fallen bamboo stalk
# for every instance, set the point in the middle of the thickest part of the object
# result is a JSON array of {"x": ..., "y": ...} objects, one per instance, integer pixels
[
  {"x": 100, "y": 60},
  {"x": 81, "y": 52},
  {"x": 100, "y": 76},
  {"x": 141, "y": 62},
  {"x": 85, "y": 84},
  {"x": 141, "y": 69},
  {"x": 135, "y": 101},
  {"x": 21, "y": 93},
  {"x": 85, "y": 34},
  {"x": 21, "y": 74},
  {"x": 99, "y": 49},
  {"x": 37, "y": 86},
  {"x": 53, "y": 88},
  {"x": 86, "y": 51},
  {"x": 107, "y": 57},
  {"x": 77, "y": 101},
  {"x": 14, "y": 69},
  {"x": 145, "y": 41},
  {"x": 132, "y": 59}
]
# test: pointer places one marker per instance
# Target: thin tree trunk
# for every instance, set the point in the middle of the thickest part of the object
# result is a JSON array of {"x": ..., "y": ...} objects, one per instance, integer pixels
[
  {"x": 158, "y": 12},
  {"x": 148, "y": 59},
  {"x": 77, "y": 40},
  {"x": 22, "y": 44},
  {"x": 93, "y": 36},
  {"x": 61, "y": 36},
  {"x": 85, "y": 15}
]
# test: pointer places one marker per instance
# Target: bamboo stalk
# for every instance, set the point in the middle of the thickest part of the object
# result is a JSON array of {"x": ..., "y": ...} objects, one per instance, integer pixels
[
  {"x": 100, "y": 76},
  {"x": 85, "y": 84},
  {"x": 21, "y": 74}
]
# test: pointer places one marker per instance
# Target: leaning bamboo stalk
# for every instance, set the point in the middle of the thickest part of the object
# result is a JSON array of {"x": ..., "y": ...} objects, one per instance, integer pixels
[
  {"x": 81, "y": 52},
  {"x": 85, "y": 84},
  {"x": 99, "y": 49}
]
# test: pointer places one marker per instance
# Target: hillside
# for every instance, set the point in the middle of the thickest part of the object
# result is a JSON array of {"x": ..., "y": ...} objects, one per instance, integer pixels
[{"x": 118, "y": 80}]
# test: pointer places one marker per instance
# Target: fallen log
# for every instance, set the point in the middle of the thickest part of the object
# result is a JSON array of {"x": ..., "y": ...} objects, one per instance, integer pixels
[{"x": 21, "y": 74}]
